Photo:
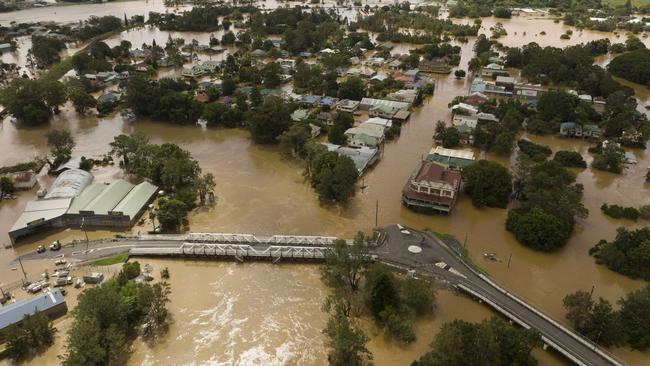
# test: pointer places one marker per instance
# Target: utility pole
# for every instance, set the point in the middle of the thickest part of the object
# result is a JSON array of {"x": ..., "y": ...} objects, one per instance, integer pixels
[
  {"x": 83, "y": 227},
  {"x": 509, "y": 259},
  {"x": 465, "y": 242},
  {"x": 592, "y": 290},
  {"x": 22, "y": 269},
  {"x": 377, "y": 213}
]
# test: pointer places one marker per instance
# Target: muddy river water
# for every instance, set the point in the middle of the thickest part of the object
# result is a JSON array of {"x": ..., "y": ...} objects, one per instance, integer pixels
[{"x": 253, "y": 314}]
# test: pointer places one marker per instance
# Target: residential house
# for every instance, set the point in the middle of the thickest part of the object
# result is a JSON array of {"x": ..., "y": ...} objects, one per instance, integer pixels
[
  {"x": 432, "y": 187},
  {"x": 109, "y": 97},
  {"x": 347, "y": 105},
  {"x": 570, "y": 129},
  {"x": 386, "y": 123},
  {"x": 314, "y": 130},
  {"x": 299, "y": 115},
  {"x": 383, "y": 111},
  {"x": 368, "y": 103},
  {"x": 460, "y": 119},
  {"x": 326, "y": 117},
  {"x": 378, "y": 78},
  {"x": 493, "y": 70},
  {"x": 405, "y": 95},
  {"x": 402, "y": 115},
  {"x": 6, "y": 47},
  {"x": 366, "y": 134},
  {"x": 475, "y": 99},
  {"x": 591, "y": 131},
  {"x": 258, "y": 53},
  {"x": 508, "y": 82},
  {"x": 211, "y": 66},
  {"x": 487, "y": 117},
  {"x": 310, "y": 100},
  {"x": 437, "y": 65},
  {"x": 329, "y": 102},
  {"x": 463, "y": 108},
  {"x": 451, "y": 158},
  {"x": 363, "y": 157}
]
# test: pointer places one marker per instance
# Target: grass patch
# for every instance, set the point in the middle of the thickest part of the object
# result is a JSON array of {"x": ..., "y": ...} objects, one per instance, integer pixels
[
  {"x": 457, "y": 247},
  {"x": 120, "y": 258}
]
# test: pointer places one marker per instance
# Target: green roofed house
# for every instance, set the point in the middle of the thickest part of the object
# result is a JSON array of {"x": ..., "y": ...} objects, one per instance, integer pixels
[
  {"x": 135, "y": 202},
  {"x": 116, "y": 205},
  {"x": 450, "y": 158}
]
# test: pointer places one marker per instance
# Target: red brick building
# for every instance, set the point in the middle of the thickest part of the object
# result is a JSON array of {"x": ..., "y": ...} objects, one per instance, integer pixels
[{"x": 432, "y": 187}]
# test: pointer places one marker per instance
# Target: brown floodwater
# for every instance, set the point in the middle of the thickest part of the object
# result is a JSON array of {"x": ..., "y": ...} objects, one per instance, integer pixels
[{"x": 261, "y": 191}]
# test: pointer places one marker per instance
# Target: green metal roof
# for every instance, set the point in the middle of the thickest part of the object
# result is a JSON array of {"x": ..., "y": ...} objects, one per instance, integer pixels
[
  {"x": 88, "y": 194},
  {"x": 450, "y": 161},
  {"x": 135, "y": 199},
  {"x": 109, "y": 197}
]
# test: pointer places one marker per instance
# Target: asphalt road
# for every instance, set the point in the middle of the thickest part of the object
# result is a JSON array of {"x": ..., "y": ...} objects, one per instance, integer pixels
[{"x": 395, "y": 250}]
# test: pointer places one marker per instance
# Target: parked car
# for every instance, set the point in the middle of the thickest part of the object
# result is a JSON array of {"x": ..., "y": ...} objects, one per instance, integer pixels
[
  {"x": 40, "y": 249},
  {"x": 55, "y": 245}
]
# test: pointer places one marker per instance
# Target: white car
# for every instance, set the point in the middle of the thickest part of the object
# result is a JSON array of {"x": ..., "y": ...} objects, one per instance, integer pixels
[
  {"x": 405, "y": 232},
  {"x": 400, "y": 227}
]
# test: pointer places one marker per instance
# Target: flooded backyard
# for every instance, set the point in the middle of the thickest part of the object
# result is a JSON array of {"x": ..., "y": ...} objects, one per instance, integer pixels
[{"x": 250, "y": 314}]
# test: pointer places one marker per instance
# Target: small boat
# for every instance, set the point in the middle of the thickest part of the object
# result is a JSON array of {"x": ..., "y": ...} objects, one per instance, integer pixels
[{"x": 491, "y": 256}]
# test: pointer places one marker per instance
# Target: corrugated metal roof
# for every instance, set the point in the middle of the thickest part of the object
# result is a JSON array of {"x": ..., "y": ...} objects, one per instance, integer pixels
[
  {"x": 88, "y": 194},
  {"x": 136, "y": 199},
  {"x": 41, "y": 211},
  {"x": 109, "y": 197},
  {"x": 15, "y": 312},
  {"x": 70, "y": 183}
]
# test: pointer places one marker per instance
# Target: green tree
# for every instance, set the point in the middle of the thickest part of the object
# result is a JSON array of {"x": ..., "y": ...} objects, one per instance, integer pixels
[
  {"x": 570, "y": 159},
  {"x": 448, "y": 136},
  {"x": 635, "y": 318},
  {"x": 536, "y": 228},
  {"x": 33, "y": 335},
  {"x": 491, "y": 342},
  {"x": 46, "y": 50},
  {"x": 81, "y": 100},
  {"x": 61, "y": 145},
  {"x": 488, "y": 183},
  {"x": 157, "y": 318},
  {"x": 346, "y": 343},
  {"x": 205, "y": 186},
  {"x": 269, "y": 121},
  {"x": 336, "y": 135},
  {"x": 271, "y": 73},
  {"x": 171, "y": 213},
  {"x": 293, "y": 140},
  {"x": 25, "y": 100},
  {"x": 595, "y": 320},
  {"x": 352, "y": 88},
  {"x": 418, "y": 295},
  {"x": 383, "y": 290},
  {"x": 333, "y": 176},
  {"x": 126, "y": 146},
  {"x": 6, "y": 186},
  {"x": 131, "y": 270}
]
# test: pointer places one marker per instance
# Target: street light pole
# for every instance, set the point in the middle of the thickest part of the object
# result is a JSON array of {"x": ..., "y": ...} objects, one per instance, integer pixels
[{"x": 83, "y": 228}]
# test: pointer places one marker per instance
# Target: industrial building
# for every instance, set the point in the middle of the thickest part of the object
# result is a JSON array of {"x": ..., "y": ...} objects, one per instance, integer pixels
[
  {"x": 74, "y": 200},
  {"x": 51, "y": 303}
]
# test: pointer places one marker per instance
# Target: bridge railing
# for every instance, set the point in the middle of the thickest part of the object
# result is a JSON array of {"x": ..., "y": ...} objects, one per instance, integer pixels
[{"x": 586, "y": 342}]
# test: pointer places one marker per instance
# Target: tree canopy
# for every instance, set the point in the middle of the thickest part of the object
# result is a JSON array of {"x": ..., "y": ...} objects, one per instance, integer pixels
[{"x": 488, "y": 183}]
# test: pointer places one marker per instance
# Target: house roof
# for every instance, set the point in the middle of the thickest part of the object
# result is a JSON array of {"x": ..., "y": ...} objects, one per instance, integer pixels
[
  {"x": 88, "y": 194},
  {"x": 432, "y": 172},
  {"x": 105, "y": 201},
  {"x": 137, "y": 198},
  {"x": 15, "y": 312},
  {"x": 70, "y": 183},
  {"x": 41, "y": 211}
]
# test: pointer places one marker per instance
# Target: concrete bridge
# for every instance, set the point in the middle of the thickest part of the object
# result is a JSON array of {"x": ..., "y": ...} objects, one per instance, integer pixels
[{"x": 421, "y": 252}]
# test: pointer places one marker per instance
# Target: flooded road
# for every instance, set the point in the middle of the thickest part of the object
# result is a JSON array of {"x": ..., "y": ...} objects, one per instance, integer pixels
[{"x": 260, "y": 191}]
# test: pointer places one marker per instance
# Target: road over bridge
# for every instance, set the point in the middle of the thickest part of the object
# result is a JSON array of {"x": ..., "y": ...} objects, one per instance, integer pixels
[{"x": 422, "y": 252}]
